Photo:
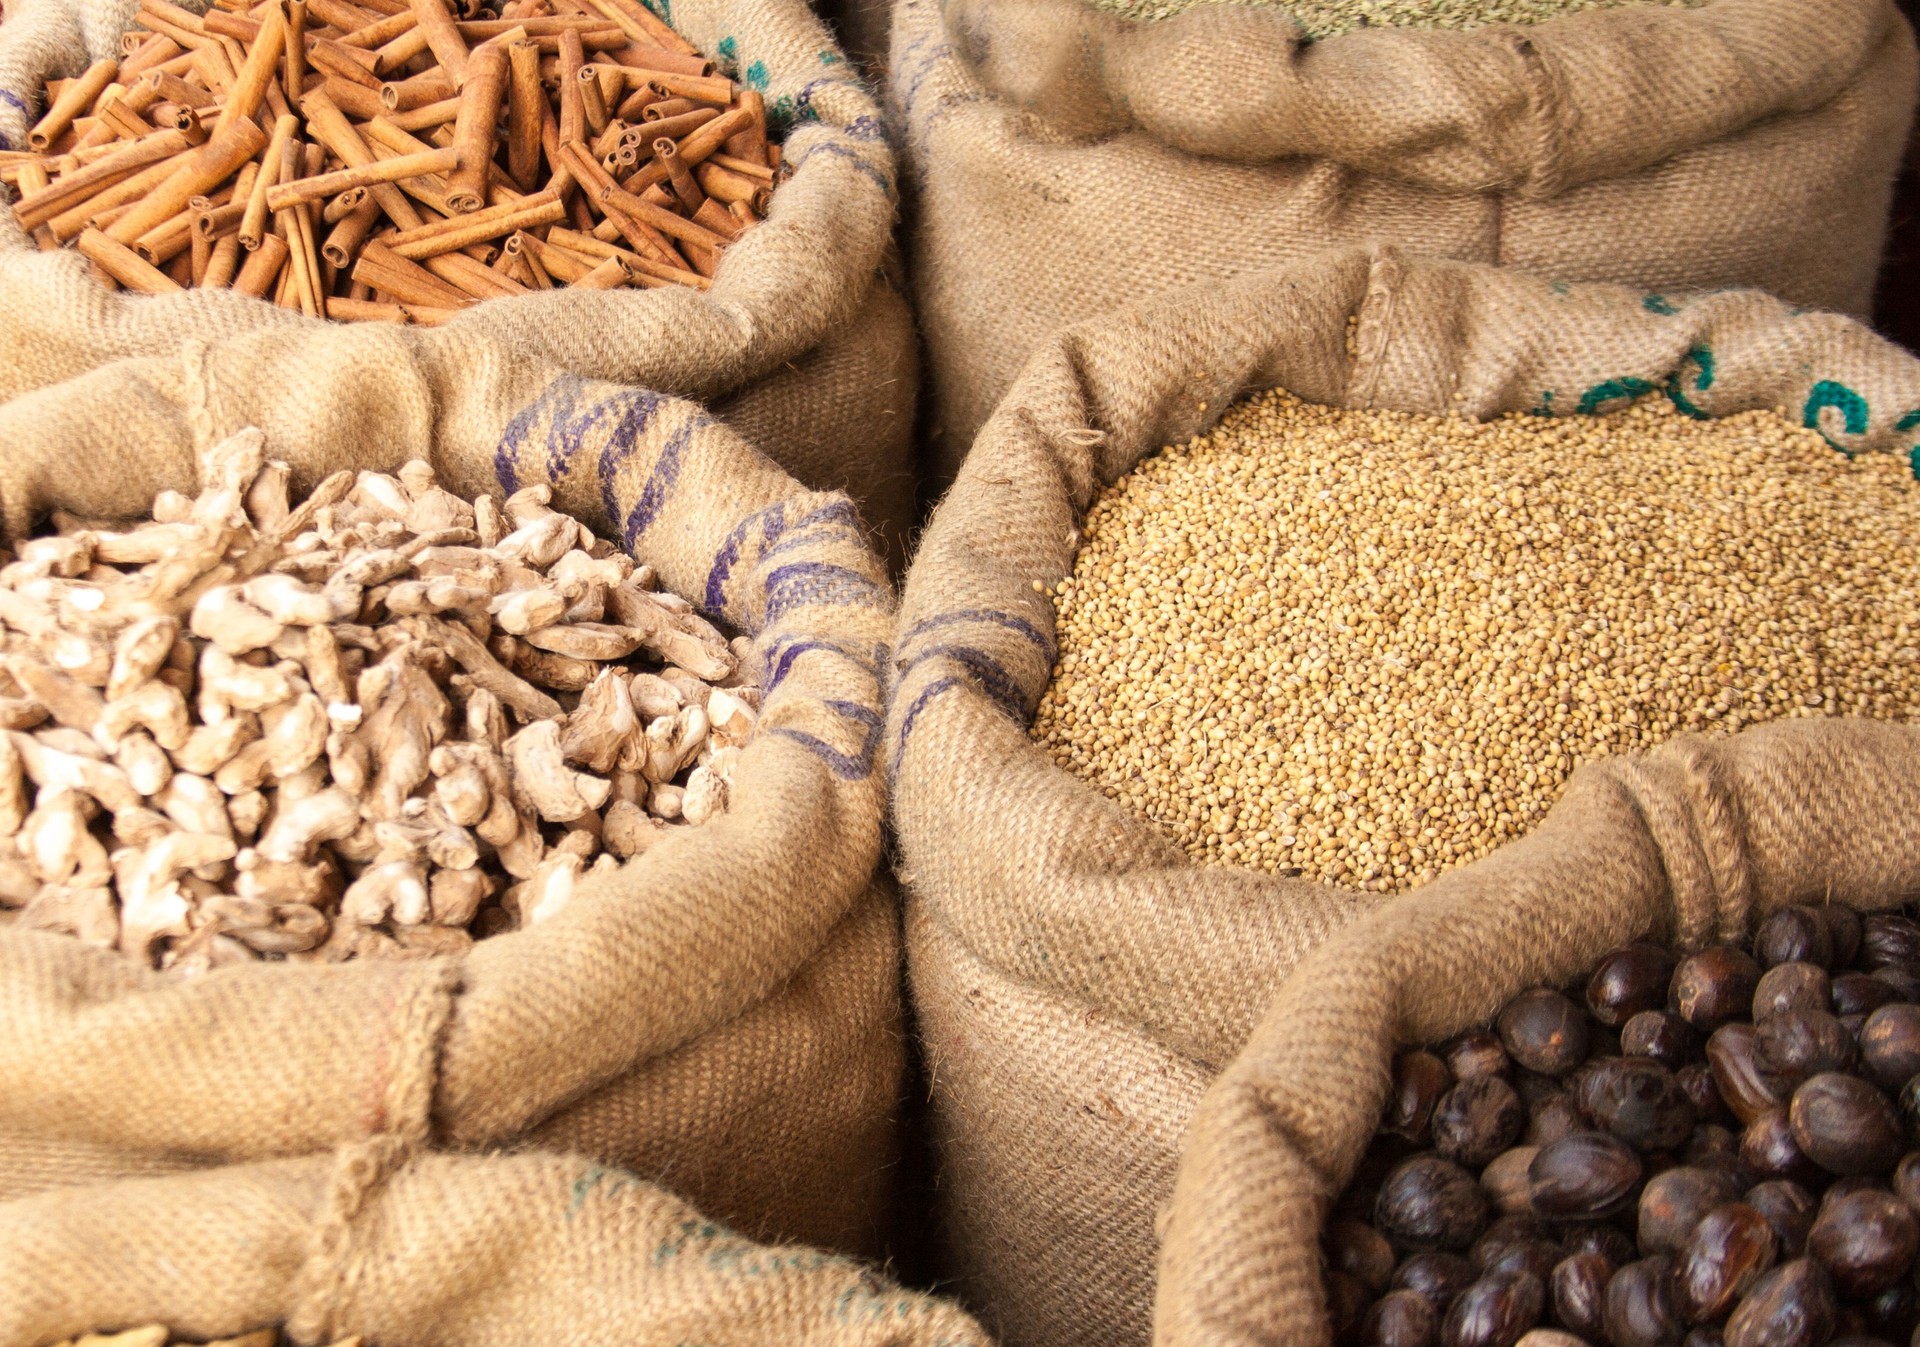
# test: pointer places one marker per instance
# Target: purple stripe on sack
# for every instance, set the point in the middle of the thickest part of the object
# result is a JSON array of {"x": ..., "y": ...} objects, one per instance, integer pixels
[
  {"x": 14, "y": 100},
  {"x": 919, "y": 704},
  {"x": 776, "y": 535},
  {"x": 660, "y": 481},
  {"x": 993, "y": 677},
  {"x": 626, "y": 418},
  {"x": 1008, "y": 620},
  {"x": 782, "y": 654},
  {"x": 571, "y": 417},
  {"x": 771, "y": 521},
  {"x": 856, "y": 766},
  {"x": 883, "y": 180},
  {"x": 802, "y": 583}
]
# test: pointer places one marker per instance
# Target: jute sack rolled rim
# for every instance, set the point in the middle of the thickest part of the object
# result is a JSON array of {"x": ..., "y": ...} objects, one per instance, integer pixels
[
  {"x": 433, "y": 1250},
  {"x": 274, "y": 1059},
  {"x": 1533, "y": 109},
  {"x": 1036, "y": 871},
  {"x": 778, "y": 290},
  {"x": 1689, "y": 843}
]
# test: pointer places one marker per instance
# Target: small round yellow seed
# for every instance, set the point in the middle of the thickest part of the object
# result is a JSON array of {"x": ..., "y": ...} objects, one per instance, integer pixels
[{"x": 1370, "y": 646}]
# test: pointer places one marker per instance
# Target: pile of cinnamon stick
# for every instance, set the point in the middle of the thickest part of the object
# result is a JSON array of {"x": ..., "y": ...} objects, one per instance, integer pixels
[{"x": 396, "y": 160}]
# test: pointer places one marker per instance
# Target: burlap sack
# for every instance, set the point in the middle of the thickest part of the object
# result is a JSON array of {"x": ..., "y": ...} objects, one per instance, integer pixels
[
  {"x": 722, "y": 1014},
  {"x": 433, "y": 1251},
  {"x": 1066, "y": 161},
  {"x": 803, "y": 330},
  {"x": 1690, "y": 843},
  {"x": 1080, "y": 982}
]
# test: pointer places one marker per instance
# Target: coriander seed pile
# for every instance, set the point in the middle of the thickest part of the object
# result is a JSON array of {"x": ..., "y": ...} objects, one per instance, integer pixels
[
  {"x": 1367, "y": 647},
  {"x": 1330, "y": 18}
]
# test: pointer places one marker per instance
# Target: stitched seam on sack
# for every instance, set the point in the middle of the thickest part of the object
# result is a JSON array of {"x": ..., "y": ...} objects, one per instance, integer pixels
[
  {"x": 323, "y": 1284},
  {"x": 1692, "y": 918},
  {"x": 419, "y": 1031},
  {"x": 1374, "y": 333}
]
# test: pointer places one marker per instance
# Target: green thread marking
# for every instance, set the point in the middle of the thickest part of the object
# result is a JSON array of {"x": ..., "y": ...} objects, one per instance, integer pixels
[
  {"x": 1702, "y": 359},
  {"x": 1559, "y": 288},
  {"x": 1854, "y": 413},
  {"x": 1913, "y": 461},
  {"x": 1613, "y": 390},
  {"x": 1659, "y": 304},
  {"x": 728, "y": 51},
  {"x": 757, "y": 76},
  {"x": 1909, "y": 421},
  {"x": 1545, "y": 406},
  {"x": 831, "y": 58}
]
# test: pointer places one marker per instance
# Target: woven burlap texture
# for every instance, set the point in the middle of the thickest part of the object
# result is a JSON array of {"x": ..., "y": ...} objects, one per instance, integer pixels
[
  {"x": 1065, "y": 161},
  {"x": 1079, "y": 980},
  {"x": 434, "y": 1251},
  {"x": 803, "y": 329},
  {"x": 1691, "y": 842},
  {"x": 722, "y": 1012}
]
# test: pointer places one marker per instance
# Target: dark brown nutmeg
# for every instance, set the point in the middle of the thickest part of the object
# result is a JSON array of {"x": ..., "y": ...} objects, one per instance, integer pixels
[
  {"x": 1627, "y": 981},
  {"x": 1429, "y": 1201},
  {"x": 1476, "y": 1053},
  {"x": 1866, "y": 1241},
  {"x": 1552, "y": 1118},
  {"x": 1544, "y": 1031},
  {"x": 1584, "y": 1177},
  {"x": 1601, "y": 1237},
  {"x": 1859, "y": 994},
  {"x": 1735, "y": 1075},
  {"x": 1795, "y": 1046},
  {"x": 1641, "y": 1309},
  {"x": 1437, "y": 1275},
  {"x": 1889, "y": 940},
  {"x": 1794, "y": 935},
  {"x": 1890, "y": 1044},
  {"x": 1731, "y": 1248},
  {"x": 1792, "y": 986},
  {"x": 1419, "y": 1079},
  {"x": 1906, "y": 1181},
  {"x": 1495, "y": 1311},
  {"x": 1477, "y": 1119},
  {"x": 1356, "y": 1247},
  {"x": 1676, "y": 1200},
  {"x": 1578, "y": 1289},
  {"x": 1792, "y": 1306},
  {"x": 1714, "y": 986},
  {"x": 1697, "y": 1084},
  {"x": 1789, "y": 1209},
  {"x": 1506, "y": 1182},
  {"x": 1638, "y": 1100},
  {"x": 1769, "y": 1151},
  {"x": 1401, "y": 1319},
  {"x": 1661, "y": 1035},
  {"x": 1846, "y": 1126},
  {"x": 1844, "y": 925}
]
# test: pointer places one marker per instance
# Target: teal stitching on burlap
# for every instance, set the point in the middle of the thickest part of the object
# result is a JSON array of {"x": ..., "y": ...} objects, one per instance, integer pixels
[
  {"x": 1908, "y": 422},
  {"x": 1613, "y": 390},
  {"x": 1702, "y": 358},
  {"x": 1659, "y": 304},
  {"x": 1853, "y": 409}
]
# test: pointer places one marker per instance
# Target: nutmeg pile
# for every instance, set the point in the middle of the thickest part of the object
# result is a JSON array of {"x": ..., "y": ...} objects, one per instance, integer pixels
[
  {"x": 381, "y": 722},
  {"x": 1717, "y": 1151}
]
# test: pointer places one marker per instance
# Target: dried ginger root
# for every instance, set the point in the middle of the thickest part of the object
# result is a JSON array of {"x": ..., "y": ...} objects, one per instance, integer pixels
[{"x": 382, "y": 722}]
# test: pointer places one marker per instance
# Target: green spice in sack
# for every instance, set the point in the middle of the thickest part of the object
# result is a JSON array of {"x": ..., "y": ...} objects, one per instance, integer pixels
[
  {"x": 1368, "y": 647},
  {"x": 1330, "y": 18}
]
